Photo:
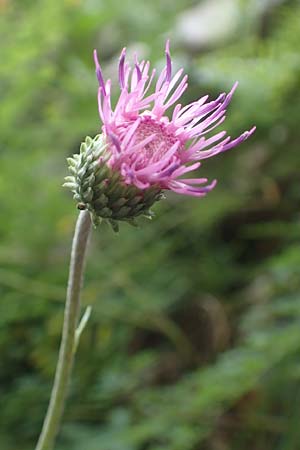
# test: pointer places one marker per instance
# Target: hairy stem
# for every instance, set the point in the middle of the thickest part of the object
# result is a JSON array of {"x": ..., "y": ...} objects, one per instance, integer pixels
[{"x": 69, "y": 336}]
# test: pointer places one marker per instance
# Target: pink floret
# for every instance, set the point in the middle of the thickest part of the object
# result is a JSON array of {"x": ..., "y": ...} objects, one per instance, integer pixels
[{"x": 147, "y": 147}]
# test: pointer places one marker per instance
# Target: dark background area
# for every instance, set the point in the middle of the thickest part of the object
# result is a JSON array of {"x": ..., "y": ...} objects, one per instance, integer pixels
[{"x": 194, "y": 338}]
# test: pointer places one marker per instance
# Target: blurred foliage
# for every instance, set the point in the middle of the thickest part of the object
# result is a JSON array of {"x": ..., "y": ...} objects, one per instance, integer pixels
[{"x": 194, "y": 338}]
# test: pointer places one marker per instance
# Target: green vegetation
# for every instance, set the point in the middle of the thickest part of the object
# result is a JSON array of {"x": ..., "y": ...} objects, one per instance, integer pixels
[{"x": 194, "y": 338}]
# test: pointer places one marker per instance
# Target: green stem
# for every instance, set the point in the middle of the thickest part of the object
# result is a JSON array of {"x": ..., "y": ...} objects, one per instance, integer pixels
[{"x": 68, "y": 343}]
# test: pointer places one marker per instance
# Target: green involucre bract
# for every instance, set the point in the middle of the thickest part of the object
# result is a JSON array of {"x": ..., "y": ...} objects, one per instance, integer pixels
[{"x": 102, "y": 191}]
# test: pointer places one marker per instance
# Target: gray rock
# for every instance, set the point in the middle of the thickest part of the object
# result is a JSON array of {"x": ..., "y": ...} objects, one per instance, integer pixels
[{"x": 209, "y": 23}]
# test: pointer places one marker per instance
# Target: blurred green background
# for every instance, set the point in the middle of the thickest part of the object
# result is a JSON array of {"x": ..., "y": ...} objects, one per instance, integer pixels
[{"x": 194, "y": 339}]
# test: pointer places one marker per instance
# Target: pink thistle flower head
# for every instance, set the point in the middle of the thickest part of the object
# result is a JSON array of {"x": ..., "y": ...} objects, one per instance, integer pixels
[{"x": 151, "y": 141}]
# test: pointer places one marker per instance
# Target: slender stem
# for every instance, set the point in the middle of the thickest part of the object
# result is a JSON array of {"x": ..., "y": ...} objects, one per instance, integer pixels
[{"x": 67, "y": 348}]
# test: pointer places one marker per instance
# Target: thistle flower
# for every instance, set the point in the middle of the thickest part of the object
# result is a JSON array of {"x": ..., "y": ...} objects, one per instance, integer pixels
[{"x": 142, "y": 151}]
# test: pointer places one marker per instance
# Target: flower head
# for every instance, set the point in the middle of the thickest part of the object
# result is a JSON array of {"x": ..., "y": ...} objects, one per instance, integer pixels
[{"x": 142, "y": 150}]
